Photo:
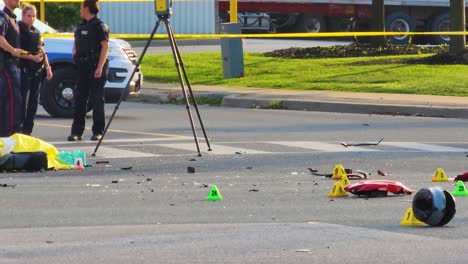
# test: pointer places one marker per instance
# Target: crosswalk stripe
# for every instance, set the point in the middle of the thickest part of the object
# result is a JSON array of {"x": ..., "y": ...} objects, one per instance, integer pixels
[
  {"x": 111, "y": 153},
  {"x": 320, "y": 146},
  {"x": 423, "y": 147},
  {"x": 117, "y": 148},
  {"x": 139, "y": 140},
  {"x": 216, "y": 149}
]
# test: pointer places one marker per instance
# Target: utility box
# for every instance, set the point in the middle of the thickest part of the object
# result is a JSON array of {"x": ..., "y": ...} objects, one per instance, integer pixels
[{"x": 232, "y": 51}]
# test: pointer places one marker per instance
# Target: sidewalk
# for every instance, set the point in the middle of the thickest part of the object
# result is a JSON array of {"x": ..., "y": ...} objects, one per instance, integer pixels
[{"x": 324, "y": 101}]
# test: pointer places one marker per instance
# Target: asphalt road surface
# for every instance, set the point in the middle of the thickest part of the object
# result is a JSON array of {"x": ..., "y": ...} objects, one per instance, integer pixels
[{"x": 139, "y": 204}]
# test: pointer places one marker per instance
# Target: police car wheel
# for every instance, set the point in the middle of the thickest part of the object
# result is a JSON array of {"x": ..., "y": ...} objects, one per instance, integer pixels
[{"x": 57, "y": 95}]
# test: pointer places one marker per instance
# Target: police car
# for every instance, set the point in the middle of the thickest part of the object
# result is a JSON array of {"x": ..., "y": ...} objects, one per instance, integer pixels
[{"x": 57, "y": 95}]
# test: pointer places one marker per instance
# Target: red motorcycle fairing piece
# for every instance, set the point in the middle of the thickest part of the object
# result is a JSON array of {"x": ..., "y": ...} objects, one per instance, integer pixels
[
  {"x": 462, "y": 177},
  {"x": 373, "y": 188}
]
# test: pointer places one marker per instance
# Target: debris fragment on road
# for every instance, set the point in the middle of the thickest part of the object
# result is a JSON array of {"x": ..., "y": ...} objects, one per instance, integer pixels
[
  {"x": 8, "y": 185},
  {"x": 127, "y": 168},
  {"x": 361, "y": 144},
  {"x": 382, "y": 173}
]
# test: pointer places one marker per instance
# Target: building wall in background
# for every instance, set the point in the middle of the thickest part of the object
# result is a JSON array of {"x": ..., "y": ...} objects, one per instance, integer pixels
[{"x": 189, "y": 17}]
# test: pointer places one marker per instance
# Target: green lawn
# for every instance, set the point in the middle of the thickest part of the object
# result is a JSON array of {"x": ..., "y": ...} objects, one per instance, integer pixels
[{"x": 386, "y": 74}]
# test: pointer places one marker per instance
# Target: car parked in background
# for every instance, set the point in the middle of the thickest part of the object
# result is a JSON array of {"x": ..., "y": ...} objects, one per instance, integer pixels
[{"x": 57, "y": 95}]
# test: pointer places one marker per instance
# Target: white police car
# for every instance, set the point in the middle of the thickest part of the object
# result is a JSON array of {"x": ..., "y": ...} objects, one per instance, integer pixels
[{"x": 57, "y": 95}]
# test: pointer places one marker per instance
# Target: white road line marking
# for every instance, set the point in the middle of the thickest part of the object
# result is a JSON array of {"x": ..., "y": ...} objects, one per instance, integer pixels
[
  {"x": 111, "y": 153},
  {"x": 216, "y": 149},
  {"x": 423, "y": 147},
  {"x": 121, "y": 140},
  {"x": 320, "y": 146}
]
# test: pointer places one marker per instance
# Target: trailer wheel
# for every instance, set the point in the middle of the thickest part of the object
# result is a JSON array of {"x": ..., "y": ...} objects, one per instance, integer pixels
[
  {"x": 439, "y": 23},
  {"x": 311, "y": 23},
  {"x": 399, "y": 22}
]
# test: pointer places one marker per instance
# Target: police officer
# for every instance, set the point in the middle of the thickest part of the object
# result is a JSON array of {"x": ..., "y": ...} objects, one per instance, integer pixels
[
  {"x": 10, "y": 95},
  {"x": 90, "y": 54},
  {"x": 31, "y": 66}
]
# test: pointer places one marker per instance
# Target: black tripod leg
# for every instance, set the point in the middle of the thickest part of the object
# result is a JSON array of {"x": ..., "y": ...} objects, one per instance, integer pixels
[
  {"x": 178, "y": 65},
  {"x": 190, "y": 88},
  {"x": 124, "y": 92}
]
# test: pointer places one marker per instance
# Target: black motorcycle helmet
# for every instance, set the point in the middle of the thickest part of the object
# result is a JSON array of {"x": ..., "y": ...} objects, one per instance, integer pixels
[{"x": 434, "y": 206}]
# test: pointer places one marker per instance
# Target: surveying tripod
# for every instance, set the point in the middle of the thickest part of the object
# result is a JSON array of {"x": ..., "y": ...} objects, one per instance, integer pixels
[{"x": 184, "y": 83}]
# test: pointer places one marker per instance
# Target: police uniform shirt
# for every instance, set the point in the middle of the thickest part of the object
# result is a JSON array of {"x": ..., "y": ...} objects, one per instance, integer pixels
[
  {"x": 31, "y": 41},
  {"x": 30, "y": 38},
  {"x": 9, "y": 28},
  {"x": 88, "y": 36}
]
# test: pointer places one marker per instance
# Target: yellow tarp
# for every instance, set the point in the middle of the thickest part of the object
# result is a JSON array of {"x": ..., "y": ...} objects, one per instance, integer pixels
[{"x": 30, "y": 144}]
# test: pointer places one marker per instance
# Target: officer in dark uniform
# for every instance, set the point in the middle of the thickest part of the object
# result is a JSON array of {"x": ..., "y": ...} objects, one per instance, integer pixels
[
  {"x": 32, "y": 66},
  {"x": 10, "y": 94},
  {"x": 90, "y": 54}
]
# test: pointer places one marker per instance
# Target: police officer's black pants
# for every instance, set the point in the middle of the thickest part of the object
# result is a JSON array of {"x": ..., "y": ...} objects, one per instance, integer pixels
[
  {"x": 92, "y": 88},
  {"x": 30, "y": 82},
  {"x": 10, "y": 100}
]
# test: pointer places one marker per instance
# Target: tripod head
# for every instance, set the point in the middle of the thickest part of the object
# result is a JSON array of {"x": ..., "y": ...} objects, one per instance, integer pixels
[{"x": 163, "y": 8}]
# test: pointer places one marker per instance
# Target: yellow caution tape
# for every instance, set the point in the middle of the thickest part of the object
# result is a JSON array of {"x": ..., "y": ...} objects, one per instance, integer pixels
[{"x": 282, "y": 35}]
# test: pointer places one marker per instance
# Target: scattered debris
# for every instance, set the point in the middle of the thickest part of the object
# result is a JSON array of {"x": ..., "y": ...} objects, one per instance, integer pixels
[
  {"x": 351, "y": 173},
  {"x": 190, "y": 169},
  {"x": 361, "y": 144},
  {"x": 127, "y": 168},
  {"x": 192, "y": 159},
  {"x": 102, "y": 162},
  {"x": 248, "y": 168},
  {"x": 149, "y": 179},
  {"x": 294, "y": 173},
  {"x": 49, "y": 241},
  {"x": 365, "y": 124},
  {"x": 381, "y": 173},
  {"x": 375, "y": 188},
  {"x": 8, "y": 185},
  {"x": 303, "y": 250},
  {"x": 238, "y": 152},
  {"x": 115, "y": 181},
  {"x": 316, "y": 183},
  {"x": 171, "y": 204},
  {"x": 253, "y": 190},
  {"x": 462, "y": 177}
]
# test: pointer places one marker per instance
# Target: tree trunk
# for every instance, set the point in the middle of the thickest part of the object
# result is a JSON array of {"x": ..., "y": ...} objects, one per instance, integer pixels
[
  {"x": 457, "y": 23},
  {"x": 378, "y": 23}
]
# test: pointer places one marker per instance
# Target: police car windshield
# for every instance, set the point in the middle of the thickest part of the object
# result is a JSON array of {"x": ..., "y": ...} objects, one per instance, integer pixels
[{"x": 41, "y": 26}]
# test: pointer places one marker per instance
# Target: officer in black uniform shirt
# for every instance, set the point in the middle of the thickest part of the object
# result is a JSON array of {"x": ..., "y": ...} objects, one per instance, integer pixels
[
  {"x": 32, "y": 66},
  {"x": 90, "y": 54},
  {"x": 10, "y": 94}
]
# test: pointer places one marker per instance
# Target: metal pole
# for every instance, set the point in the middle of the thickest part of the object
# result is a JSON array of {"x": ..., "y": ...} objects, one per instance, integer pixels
[
  {"x": 124, "y": 92},
  {"x": 182, "y": 85},
  {"x": 190, "y": 89}
]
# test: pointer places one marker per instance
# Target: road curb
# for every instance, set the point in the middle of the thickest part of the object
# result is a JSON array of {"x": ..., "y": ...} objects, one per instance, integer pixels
[
  {"x": 236, "y": 100},
  {"x": 345, "y": 107}
]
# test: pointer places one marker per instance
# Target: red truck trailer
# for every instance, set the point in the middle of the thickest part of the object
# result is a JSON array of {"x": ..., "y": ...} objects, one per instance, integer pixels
[{"x": 313, "y": 16}]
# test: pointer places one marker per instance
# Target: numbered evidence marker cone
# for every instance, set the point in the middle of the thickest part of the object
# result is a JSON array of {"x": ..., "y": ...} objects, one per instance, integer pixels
[
  {"x": 338, "y": 171},
  {"x": 439, "y": 176},
  {"x": 337, "y": 190},
  {"x": 214, "y": 194},
  {"x": 79, "y": 164},
  {"x": 409, "y": 219},
  {"x": 344, "y": 180},
  {"x": 460, "y": 189}
]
